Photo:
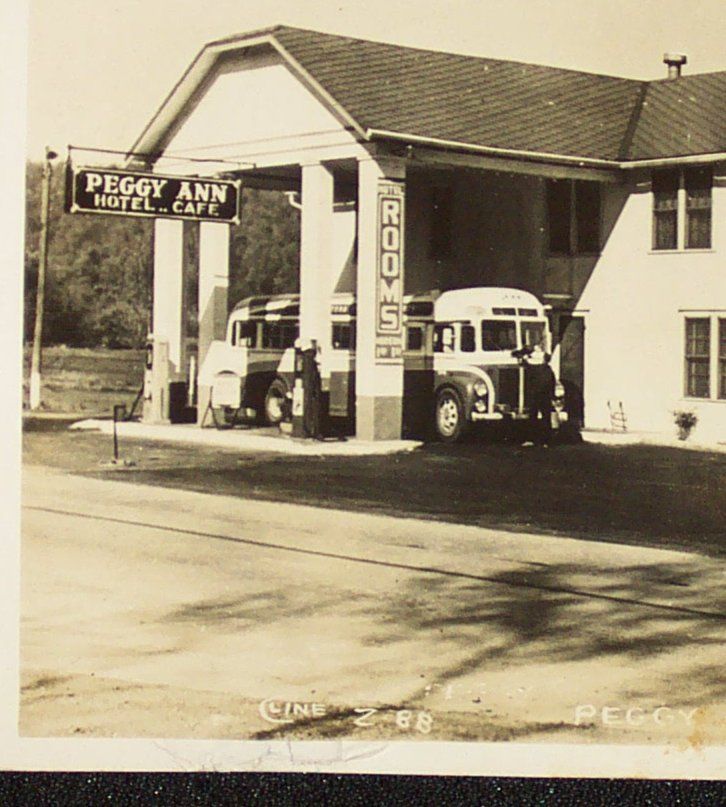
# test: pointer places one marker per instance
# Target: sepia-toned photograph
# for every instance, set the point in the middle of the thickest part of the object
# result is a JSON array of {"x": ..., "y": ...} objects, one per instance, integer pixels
[{"x": 373, "y": 384}]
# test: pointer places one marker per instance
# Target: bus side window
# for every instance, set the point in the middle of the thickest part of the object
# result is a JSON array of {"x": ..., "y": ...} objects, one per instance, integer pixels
[
  {"x": 468, "y": 338},
  {"x": 444, "y": 338},
  {"x": 244, "y": 334},
  {"x": 414, "y": 337}
]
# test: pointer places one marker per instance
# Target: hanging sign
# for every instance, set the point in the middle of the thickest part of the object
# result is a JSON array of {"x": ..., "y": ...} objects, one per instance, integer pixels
[
  {"x": 128, "y": 193},
  {"x": 389, "y": 280}
]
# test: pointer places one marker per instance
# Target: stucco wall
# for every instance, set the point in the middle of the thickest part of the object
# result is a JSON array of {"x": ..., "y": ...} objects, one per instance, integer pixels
[{"x": 634, "y": 303}]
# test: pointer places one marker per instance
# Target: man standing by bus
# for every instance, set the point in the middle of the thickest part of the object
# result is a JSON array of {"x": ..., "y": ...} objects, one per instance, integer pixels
[{"x": 539, "y": 384}]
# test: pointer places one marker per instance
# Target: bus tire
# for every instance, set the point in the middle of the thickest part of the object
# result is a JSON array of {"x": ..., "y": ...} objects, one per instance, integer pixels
[
  {"x": 450, "y": 422},
  {"x": 275, "y": 399}
]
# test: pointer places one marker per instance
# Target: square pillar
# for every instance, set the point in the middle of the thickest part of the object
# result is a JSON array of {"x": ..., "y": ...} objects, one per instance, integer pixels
[
  {"x": 169, "y": 316},
  {"x": 213, "y": 295},
  {"x": 380, "y": 283},
  {"x": 316, "y": 254}
]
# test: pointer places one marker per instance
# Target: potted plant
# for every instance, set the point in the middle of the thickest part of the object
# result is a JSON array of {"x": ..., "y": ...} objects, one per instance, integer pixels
[{"x": 685, "y": 422}]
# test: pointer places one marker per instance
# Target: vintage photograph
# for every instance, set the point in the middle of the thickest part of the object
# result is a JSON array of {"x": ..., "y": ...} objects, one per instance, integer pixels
[{"x": 374, "y": 383}]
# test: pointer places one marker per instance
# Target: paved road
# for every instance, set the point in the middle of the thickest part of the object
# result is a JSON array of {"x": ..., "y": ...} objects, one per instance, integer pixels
[{"x": 154, "y": 612}]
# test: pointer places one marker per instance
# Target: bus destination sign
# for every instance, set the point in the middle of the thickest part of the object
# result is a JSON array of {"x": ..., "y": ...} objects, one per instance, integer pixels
[{"x": 128, "y": 193}]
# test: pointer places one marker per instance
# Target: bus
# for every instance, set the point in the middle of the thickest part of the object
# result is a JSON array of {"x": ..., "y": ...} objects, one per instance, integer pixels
[{"x": 466, "y": 354}]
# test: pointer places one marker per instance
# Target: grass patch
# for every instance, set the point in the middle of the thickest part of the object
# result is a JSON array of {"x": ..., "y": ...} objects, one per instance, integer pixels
[{"x": 648, "y": 495}]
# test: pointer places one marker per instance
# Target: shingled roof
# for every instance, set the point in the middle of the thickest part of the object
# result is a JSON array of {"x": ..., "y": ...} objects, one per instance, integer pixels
[
  {"x": 478, "y": 102},
  {"x": 511, "y": 105}
]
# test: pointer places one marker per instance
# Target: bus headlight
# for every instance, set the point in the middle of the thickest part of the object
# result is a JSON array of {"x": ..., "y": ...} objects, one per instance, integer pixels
[
  {"x": 480, "y": 405},
  {"x": 480, "y": 389}
]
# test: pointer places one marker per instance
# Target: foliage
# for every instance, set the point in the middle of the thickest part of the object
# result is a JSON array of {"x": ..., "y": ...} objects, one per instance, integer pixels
[
  {"x": 99, "y": 281},
  {"x": 686, "y": 422}
]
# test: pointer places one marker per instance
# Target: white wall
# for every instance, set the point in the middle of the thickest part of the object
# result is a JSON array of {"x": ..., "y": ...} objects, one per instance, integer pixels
[
  {"x": 634, "y": 304},
  {"x": 257, "y": 112}
]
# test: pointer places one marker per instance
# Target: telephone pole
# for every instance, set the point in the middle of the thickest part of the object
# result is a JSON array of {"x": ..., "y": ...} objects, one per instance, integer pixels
[{"x": 40, "y": 296}]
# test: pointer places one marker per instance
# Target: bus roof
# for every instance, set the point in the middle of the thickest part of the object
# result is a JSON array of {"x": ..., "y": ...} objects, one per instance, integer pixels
[{"x": 484, "y": 301}]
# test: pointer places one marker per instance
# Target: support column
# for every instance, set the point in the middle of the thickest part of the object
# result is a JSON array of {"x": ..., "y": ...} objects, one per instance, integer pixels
[
  {"x": 213, "y": 293},
  {"x": 316, "y": 253},
  {"x": 316, "y": 272},
  {"x": 168, "y": 316},
  {"x": 380, "y": 283}
]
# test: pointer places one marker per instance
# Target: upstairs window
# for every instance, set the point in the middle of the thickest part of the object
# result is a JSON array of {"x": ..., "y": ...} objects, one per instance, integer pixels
[
  {"x": 698, "y": 184},
  {"x": 573, "y": 210},
  {"x": 682, "y": 209},
  {"x": 665, "y": 210}
]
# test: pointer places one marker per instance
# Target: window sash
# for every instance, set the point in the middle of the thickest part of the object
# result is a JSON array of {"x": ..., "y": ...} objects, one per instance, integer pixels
[{"x": 698, "y": 357}]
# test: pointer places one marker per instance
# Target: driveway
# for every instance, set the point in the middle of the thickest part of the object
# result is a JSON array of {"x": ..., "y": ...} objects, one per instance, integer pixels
[{"x": 149, "y": 611}]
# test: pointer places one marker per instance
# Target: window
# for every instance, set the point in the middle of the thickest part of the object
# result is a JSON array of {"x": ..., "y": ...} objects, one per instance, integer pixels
[
  {"x": 722, "y": 358},
  {"x": 444, "y": 338},
  {"x": 533, "y": 334},
  {"x": 468, "y": 338},
  {"x": 414, "y": 337},
  {"x": 441, "y": 222},
  {"x": 698, "y": 208},
  {"x": 343, "y": 336},
  {"x": 698, "y": 342},
  {"x": 679, "y": 194},
  {"x": 244, "y": 334},
  {"x": 573, "y": 209},
  {"x": 279, "y": 335},
  {"x": 498, "y": 334},
  {"x": 665, "y": 210}
]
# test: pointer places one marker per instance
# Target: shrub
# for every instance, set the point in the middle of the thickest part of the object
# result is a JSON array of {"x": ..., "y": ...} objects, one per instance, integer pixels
[{"x": 686, "y": 422}]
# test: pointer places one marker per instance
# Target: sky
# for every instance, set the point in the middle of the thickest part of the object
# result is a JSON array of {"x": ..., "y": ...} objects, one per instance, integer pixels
[{"x": 98, "y": 69}]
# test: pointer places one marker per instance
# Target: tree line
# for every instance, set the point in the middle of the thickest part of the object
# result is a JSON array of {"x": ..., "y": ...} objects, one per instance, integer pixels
[{"x": 100, "y": 268}]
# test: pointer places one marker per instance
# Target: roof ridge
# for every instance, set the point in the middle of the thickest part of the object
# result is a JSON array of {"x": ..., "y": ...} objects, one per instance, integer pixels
[{"x": 272, "y": 29}]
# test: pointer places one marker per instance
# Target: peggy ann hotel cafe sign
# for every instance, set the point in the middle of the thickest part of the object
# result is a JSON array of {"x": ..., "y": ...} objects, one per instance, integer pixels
[{"x": 127, "y": 193}]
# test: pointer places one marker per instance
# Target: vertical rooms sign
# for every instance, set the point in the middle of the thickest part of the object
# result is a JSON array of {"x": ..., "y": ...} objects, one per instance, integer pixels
[
  {"x": 389, "y": 280},
  {"x": 126, "y": 193}
]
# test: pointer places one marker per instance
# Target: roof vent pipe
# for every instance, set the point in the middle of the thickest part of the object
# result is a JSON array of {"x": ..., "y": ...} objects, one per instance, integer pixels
[{"x": 674, "y": 61}]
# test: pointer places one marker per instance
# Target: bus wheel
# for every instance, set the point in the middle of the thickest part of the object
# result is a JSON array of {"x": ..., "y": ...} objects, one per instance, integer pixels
[
  {"x": 450, "y": 420},
  {"x": 275, "y": 402}
]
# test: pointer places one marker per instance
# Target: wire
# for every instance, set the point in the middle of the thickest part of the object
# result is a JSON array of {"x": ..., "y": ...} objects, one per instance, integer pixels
[{"x": 159, "y": 157}]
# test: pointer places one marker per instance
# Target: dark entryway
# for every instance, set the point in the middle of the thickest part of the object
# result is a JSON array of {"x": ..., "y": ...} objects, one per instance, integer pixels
[{"x": 571, "y": 338}]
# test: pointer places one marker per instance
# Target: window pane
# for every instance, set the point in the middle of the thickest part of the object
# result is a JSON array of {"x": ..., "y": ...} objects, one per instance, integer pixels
[
  {"x": 698, "y": 208},
  {"x": 698, "y": 339},
  {"x": 665, "y": 210},
  {"x": 444, "y": 339},
  {"x": 498, "y": 335},
  {"x": 722, "y": 358},
  {"x": 533, "y": 334},
  {"x": 558, "y": 212},
  {"x": 414, "y": 338},
  {"x": 587, "y": 211},
  {"x": 468, "y": 338}
]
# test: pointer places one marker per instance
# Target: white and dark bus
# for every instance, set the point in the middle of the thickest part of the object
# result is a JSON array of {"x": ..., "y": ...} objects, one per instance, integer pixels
[{"x": 465, "y": 358}]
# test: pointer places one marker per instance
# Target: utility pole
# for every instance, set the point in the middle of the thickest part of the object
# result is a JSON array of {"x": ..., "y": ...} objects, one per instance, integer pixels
[{"x": 40, "y": 296}]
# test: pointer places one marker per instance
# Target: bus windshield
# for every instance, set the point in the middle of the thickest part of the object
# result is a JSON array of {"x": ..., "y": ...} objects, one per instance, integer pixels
[
  {"x": 498, "y": 334},
  {"x": 533, "y": 334}
]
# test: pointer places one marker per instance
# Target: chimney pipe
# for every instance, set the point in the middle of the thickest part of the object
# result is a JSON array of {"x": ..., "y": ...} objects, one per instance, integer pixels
[{"x": 674, "y": 61}]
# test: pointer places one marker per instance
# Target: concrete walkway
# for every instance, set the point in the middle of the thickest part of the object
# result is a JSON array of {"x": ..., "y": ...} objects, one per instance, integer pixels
[{"x": 247, "y": 439}]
